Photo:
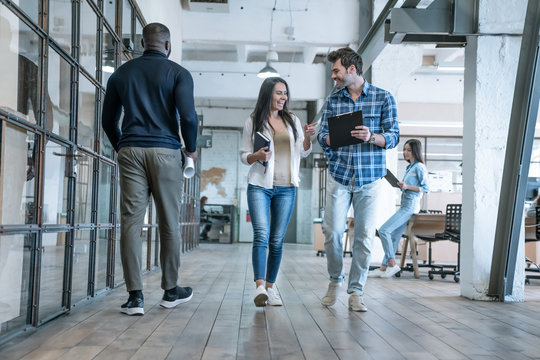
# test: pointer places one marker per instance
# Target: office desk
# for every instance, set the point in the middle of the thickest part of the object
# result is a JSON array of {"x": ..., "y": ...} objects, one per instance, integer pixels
[
  {"x": 530, "y": 229},
  {"x": 532, "y": 246},
  {"x": 222, "y": 219},
  {"x": 420, "y": 224}
]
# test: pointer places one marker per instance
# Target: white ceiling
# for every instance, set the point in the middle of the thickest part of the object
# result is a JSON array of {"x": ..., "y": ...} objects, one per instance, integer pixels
[{"x": 229, "y": 46}]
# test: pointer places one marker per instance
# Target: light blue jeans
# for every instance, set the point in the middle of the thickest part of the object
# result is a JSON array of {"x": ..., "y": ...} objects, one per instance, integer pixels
[
  {"x": 270, "y": 211},
  {"x": 364, "y": 200},
  {"x": 391, "y": 231}
]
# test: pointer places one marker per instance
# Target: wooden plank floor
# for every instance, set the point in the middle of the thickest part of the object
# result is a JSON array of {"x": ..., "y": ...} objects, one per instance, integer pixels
[{"x": 407, "y": 319}]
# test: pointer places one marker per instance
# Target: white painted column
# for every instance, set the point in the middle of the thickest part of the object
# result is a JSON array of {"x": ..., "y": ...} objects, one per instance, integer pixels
[{"x": 490, "y": 74}]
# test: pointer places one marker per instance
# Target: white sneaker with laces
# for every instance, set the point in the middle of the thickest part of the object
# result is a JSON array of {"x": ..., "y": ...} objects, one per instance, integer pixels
[
  {"x": 391, "y": 271},
  {"x": 273, "y": 297},
  {"x": 260, "y": 296},
  {"x": 330, "y": 297},
  {"x": 375, "y": 273},
  {"x": 356, "y": 302}
]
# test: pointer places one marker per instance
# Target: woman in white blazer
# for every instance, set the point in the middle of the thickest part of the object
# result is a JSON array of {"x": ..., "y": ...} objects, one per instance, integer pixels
[{"x": 272, "y": 188}]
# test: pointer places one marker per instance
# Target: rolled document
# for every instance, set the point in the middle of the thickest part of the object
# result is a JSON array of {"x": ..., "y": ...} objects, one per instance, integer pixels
[{"x": 189, "y": 167}]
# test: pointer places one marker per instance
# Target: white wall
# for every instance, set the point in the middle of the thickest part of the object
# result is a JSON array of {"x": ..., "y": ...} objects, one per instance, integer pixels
[
  {"x": 491, "y": 67},
  {"x": 169, "y": 13}
]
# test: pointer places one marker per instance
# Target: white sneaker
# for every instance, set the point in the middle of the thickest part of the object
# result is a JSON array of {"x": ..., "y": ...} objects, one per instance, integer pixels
[
  {"x": 356, "y": 302},
  {"x": 260, "y": 296},
  {"x": 329, "y": 298},
  {"x": 273, "y": 297},
  {"x": 375, "y": 273},
  {"x": 391, "y": 271}
]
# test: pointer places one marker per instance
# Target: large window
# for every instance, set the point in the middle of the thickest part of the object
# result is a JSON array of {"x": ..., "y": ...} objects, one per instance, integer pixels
[
  {"x": 17, "y": 175},
  {"x": 59, "y": 95},
  {"x": 21, "y": 70},
  {"x": 59, "y": 192},
  {"x": 60, "y": 22},
  {"x": 443, "y": 159},
  {"x": 56, "y": 181},
  {"x": 87, "y": 113},
  {"x": 15, "y": 257},
  {"x": 88, "y": 50}
]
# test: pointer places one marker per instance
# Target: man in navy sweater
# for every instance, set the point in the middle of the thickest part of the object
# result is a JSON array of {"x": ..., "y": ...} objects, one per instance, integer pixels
[{"x": 153, "y": 91}]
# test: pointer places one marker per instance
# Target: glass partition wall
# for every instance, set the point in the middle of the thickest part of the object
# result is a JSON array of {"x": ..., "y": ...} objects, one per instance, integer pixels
[{"x": 59, "y": 204}]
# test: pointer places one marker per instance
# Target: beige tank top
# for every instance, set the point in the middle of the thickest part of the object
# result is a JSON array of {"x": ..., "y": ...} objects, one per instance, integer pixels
[{"x": 282, "y": 159}]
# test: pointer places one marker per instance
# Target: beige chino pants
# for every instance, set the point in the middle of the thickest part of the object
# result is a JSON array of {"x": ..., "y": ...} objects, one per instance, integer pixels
[{"x": 145, "y": 171}]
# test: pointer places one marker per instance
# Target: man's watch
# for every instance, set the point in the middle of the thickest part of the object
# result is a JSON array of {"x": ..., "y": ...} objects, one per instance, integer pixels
[{"x": 372, "y": 138}]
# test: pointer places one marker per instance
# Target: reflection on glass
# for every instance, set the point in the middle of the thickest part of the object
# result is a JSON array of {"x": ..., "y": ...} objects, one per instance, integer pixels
[
  {"x": 118, "y": 271},
  {"x": 14, "y": 278},
  {"x": 20, "y": 49},
  {"x": 18, "y": 164},
  {"x": 81, "y": 256},
  {"x": 30, "y": 7},
  {"x": 60, "y": 22},
  {"x": 106, "y": 146},
  {"x": 126, "y": 20},
  {"x": 83, "y": 194},
  {"x": 104, "y": 191},
  {"x": 138, "y": 37},
  {"x": 118, "y": 198},
  {"x": 87, "y": 113},
  {"x": 101, "y": 259},
  {"x": 58, "y": 92},
  {"x": 88, "y": 38},
  {"x": 52, "y": 273},
  {"x": 109, "y": 8},
  {"x": 55, "y": 199},
  {"x": 109, "y": 51},
  {"x": 155, "y": 246},
  {"x": 145, "y": 234}
]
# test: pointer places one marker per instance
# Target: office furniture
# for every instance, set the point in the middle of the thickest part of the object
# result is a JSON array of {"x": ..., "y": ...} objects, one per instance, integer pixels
[
  {"x": 452, "y": 232},
  {"x": 222, "y": 218},
  {"x": 534, "y": 269},
  {"x": 319, "y": 238},
  {"x": 419, "y": 224}
]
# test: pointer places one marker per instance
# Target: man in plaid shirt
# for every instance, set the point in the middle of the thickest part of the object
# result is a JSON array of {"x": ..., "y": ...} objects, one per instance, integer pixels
[{"x": 356, "y": 171}]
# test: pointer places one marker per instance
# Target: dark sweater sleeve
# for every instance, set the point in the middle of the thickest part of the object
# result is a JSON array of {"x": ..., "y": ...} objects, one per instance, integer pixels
[
  {"x": 186, "y": 108},
  {"x": 112, "y": 109}
]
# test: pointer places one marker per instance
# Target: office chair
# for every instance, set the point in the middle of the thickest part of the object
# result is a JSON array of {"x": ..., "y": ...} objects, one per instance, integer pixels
[
  {"x": 537, "y": 238},
  {"x": 452, "y": 232},
  {"x": 429, "y": 264}
]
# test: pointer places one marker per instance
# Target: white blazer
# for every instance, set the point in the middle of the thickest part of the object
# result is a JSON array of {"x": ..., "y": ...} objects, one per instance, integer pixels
[{"x": 256, "y": 175}]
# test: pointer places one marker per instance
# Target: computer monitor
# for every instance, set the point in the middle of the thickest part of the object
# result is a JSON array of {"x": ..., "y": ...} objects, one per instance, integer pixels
[{"x": 533, "y": 184}]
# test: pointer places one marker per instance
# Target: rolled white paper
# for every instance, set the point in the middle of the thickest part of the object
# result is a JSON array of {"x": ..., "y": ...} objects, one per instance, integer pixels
[{"x": 189, "y": 167}]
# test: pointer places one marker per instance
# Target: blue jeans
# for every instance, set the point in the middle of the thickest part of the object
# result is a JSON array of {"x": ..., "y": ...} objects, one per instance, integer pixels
[
  {"x": 391, "y": 231},
  {"x": 365, "y": 203},
  {"x": 270, "y": 211}
]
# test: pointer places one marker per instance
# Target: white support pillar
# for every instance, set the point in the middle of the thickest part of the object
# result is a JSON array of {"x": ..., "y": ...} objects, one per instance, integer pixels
[{"x": 490, "y": 74}]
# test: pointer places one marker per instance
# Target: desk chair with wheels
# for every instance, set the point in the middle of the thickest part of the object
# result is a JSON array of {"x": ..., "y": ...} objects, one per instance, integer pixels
[
  {"x": 535, "y": 269},
  {"x": 452, "y": 232},
  {"x": 429, "y": 264}
]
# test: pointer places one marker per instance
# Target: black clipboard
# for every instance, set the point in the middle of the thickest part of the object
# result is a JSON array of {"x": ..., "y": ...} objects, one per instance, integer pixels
[
  {"x": 391, "y": 179},
  {"x": 340, "y": 127},
  {"x": 260, "y": 142}
]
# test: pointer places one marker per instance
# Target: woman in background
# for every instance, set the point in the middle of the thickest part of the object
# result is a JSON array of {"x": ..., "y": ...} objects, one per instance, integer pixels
[
  {"x": 413, "y": 185},
  {"x": 272, "y": 188}
]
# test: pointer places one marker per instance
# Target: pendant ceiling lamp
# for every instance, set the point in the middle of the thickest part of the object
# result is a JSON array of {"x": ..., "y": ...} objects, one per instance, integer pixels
[{"x": 271, "y": 55}]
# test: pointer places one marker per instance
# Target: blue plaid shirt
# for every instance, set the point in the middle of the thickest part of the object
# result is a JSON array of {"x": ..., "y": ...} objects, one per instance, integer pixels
[{"x": 365, "y": 161}]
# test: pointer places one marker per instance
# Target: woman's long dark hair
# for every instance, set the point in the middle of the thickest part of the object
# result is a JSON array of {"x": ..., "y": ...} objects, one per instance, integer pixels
[
  {"x": 416, "y": 149},
  {"x": 262, "y": 109}
]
